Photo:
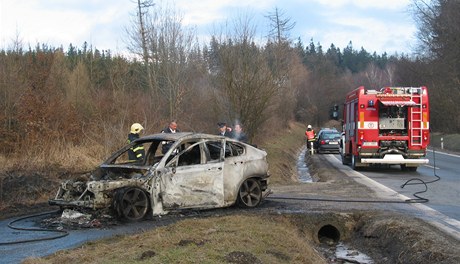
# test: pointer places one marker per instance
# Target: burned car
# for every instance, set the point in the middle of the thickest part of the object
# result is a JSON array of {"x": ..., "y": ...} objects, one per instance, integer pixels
[{"x": 198, "y": 171}]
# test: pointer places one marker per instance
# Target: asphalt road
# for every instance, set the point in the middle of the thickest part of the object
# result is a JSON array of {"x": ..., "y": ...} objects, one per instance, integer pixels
[{"x": 443, "y": 193}]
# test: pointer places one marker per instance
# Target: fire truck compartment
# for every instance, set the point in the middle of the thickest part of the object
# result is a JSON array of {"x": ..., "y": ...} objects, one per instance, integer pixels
[{"x": 392, "y": 123}]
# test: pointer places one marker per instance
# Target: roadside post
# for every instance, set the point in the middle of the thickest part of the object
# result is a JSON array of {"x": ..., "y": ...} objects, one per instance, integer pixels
[{"x": 442, "y": 143}]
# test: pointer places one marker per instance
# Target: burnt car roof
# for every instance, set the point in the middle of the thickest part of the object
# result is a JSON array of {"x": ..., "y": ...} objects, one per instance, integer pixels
[{"x": 179, "y": 135}]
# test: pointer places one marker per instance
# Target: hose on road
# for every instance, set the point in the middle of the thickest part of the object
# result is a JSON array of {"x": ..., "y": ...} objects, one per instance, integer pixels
[
  {"x": 413, "y": 181},
  {"x": 62, "y": 233}
]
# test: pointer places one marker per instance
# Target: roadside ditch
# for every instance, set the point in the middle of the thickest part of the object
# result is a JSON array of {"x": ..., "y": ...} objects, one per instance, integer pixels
[{"x": 348, "y": 235}]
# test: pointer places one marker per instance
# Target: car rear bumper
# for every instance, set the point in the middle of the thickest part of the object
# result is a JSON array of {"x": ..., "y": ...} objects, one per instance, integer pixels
[{"x": 329, "y": 148}]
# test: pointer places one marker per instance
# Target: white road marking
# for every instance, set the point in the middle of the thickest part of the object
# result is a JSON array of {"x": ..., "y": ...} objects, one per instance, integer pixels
[
  {"x": 443, "y": 153},
  {"x": 431, "y": 167},
  {"x": 441, "y": 221}
]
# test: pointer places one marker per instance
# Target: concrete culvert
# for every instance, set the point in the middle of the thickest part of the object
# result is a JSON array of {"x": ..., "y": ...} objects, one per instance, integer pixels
[{"x": 328, "y": 234}]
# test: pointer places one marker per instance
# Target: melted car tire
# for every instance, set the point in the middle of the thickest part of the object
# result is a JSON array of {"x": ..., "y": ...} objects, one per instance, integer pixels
[
  {"x": 250, "y": 193},
  {"x": 131, "y": 204}
]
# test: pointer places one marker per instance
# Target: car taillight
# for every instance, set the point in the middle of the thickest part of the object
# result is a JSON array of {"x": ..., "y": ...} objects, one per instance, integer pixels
[{"x": 322, "y": 142}]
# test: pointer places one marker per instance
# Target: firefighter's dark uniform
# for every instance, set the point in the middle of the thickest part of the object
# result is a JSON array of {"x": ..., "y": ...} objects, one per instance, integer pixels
[{"x": 136, "y": 152}]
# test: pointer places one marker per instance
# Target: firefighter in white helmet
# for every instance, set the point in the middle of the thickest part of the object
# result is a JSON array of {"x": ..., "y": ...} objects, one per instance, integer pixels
[{"x": 137, "y": 152}]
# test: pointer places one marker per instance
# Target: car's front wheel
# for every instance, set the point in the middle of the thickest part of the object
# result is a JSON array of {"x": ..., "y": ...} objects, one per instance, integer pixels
[
  {"x": 250, "y": 193},
  {"x": 132, "y": 203}
]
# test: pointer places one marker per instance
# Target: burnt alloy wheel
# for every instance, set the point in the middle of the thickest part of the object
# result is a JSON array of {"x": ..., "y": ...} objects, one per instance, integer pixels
[
  {"x": 132, "y": 204},
  {"x": 250, "y": 193}
]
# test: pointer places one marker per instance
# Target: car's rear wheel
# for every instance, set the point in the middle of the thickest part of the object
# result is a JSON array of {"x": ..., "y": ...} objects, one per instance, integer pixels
[
  {"x": 132, "y": 203},
  {"x": 250, "y": 193}
]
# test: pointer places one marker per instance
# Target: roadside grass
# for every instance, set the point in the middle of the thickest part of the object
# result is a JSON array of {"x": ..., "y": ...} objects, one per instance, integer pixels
[
  {"x": 226, "y": 239},
  {"x": 451, "y": 141}
]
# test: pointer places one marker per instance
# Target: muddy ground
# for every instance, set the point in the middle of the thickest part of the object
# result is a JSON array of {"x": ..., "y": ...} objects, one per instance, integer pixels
[{"x": 385, "y": 235}]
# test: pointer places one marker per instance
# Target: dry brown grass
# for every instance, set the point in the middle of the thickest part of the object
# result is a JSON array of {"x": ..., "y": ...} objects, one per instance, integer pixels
[
  {"x": 270, "y": 239},
  {"x": 283, "y": 149}
]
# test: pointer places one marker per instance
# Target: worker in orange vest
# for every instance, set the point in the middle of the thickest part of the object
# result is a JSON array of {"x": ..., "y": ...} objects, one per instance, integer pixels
[{"x": 310, "y": 134}]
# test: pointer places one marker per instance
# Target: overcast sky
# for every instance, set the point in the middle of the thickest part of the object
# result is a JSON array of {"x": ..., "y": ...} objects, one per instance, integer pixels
[{"x": 376, "y": 25}]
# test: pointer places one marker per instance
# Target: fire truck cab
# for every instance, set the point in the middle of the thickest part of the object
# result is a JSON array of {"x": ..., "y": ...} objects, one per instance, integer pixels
[{"x": 387, "y": 126}]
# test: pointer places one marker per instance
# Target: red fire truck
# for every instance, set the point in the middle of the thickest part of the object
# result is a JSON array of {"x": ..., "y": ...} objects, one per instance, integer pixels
[{"x": 389, "y": 126}]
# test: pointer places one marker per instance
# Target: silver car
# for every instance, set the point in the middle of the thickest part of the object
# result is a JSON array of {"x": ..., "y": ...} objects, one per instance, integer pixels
[{"x": 198, "y": 171}]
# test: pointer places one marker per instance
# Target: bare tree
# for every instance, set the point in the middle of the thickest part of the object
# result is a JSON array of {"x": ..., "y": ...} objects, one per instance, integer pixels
[
  {"x": 374, "y": 77},
  {"x": 12, "y": 86},
  {"x": 166, "y": 46},
  {"x": 245, "y": 86},
  {"x": 282, "y": 60},
  {"x": 439, "y": 35},
  {"x": 138, "y": 39},
  {"x": 279, "y": 26}
]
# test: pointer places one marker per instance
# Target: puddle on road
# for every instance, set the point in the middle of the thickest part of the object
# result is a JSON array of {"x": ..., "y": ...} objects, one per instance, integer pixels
[{"x": 302, "y": 168}]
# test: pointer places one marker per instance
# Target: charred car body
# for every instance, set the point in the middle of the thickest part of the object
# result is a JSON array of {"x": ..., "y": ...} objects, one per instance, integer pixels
[{"x": 198, "y": 171}]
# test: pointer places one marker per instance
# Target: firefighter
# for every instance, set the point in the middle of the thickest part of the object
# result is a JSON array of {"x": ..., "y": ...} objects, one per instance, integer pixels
[
  {"x": 311, "y": 135},
  {"x": 137, "y": 152}
]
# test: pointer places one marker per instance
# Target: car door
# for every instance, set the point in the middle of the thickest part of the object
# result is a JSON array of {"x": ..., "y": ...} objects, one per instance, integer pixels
[{"x": 191, "y": 181}]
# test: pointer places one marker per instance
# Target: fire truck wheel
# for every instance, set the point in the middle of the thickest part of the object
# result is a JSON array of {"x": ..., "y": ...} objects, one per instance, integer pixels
[
  {"x": 344, "y": 159},
  {"x": 354, "y": 160},
  {"x": 406, "y": 168}
]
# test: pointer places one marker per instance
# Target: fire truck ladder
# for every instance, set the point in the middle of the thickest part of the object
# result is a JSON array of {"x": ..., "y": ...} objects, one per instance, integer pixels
[{"x": 416, "y": 117}]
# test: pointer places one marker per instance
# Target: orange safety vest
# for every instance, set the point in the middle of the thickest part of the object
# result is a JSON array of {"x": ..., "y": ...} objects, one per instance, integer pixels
[{"x": 310, "y": 134}]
